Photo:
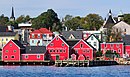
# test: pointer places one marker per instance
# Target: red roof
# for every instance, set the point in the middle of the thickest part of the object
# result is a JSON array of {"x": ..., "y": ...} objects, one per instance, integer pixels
[
  {"x": 36, "y": 31},
  {"x": 44, "y": 30}
]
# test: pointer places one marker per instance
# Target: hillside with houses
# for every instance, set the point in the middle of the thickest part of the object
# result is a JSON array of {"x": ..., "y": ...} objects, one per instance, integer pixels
[{"x": 25, "y": 43}]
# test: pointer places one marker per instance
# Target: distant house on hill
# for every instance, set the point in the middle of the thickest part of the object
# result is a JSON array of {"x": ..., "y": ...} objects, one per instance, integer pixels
[
  {"x": 5, "y": 37},
  {"x": 40, "y": 37},
  {"x": 72, "y": 35},
  {"x": 122, "y": 27}
]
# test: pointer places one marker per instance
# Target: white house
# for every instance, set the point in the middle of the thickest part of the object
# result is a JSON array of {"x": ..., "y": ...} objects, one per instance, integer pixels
[
  {"x": 95, "y": 42},
  {"x": 122, "y": 27}
]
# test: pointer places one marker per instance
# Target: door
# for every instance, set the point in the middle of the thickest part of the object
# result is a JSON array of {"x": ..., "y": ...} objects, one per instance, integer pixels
[{"x": 57, "y": 57}]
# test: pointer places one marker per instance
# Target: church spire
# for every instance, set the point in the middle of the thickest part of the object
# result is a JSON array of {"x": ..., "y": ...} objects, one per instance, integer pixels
[{"x": 12, "y": 18}]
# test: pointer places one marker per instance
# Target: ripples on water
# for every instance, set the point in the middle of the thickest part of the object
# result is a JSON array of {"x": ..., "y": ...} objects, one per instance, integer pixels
[{"x": 51, "y": 71}]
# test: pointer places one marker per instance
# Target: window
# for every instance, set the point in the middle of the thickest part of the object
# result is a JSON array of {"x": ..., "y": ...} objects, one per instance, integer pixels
[
  {"x": 38, "y": 35},
  {"x": 2, "y": 39},
  {"x": 38, "y": 56},
  {"x": 56, "y": 50},
  {"x": 61, "y": 50},
  {"x": 51, "y": 50},
  {"x": 92, "y": 38},
  {"x": 119, "y": 50},
  {"x": 10, "y": 45},
  {"x": 14, "y": 50},
  {"x": 116, "y": 30},
  {"x": 6, "y": 39},
  {"x": 88, "y": 50},
  {"x": 124, "y": 30},
  {"x": 6, "y": 56},
  {"x": 111, "y": 45},
  {"x": 81, "y": 45},
  {"x": 62, "y": 44},
  {"x": 32, "y": 41},
  {"x": 64, "y": 50},
  {"x": 95, "y": 44},
  {"x": 57, "y": 38},
  {"x": 105, "y": 45},
  {"x": 6, "y": 51},
  {"x": 26, "y": 56},
  {"x": 12, "y": 57},
  {"x": 87, "y": 57},
  {"x": 117, "y": 45},
  {"x": 51, "y": 44},
  {"x": 32, "y": 35},
  {"x": 76, "y": 51}
]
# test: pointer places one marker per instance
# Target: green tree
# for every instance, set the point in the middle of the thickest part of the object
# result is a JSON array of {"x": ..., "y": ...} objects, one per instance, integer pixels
[
  {"x": 98, "y": 54},
  {"x": 126, "y": 18},
  {"x": 47, "y": 20},
  {"x": 73, "y": 23},
  {"x": 3, "y": 20},
  {"x": 23, "y": 19},
  {"x": 92, "y": 22}
]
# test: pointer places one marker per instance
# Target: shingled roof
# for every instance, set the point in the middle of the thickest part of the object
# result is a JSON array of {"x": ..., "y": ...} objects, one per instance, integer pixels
[
  {"x": 110, "y": 21},
  {"x": 35, "y": 49},
  {"x": 18, "y": 43},
  {"x": 8, "y": 33},
  {"x": 77, "y": 34},
  {"x": 3, "y": 28}
]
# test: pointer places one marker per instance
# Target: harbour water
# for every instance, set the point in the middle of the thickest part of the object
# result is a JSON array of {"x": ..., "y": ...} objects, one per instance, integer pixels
[{"x": 51, "y": 71}]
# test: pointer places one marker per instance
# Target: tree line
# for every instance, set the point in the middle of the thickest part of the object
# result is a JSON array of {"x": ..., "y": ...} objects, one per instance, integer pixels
[{"x": 50, "y": 20}]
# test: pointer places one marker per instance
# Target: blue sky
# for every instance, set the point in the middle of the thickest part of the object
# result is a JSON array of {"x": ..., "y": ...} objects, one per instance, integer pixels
[{"x": 64, "y": 7}]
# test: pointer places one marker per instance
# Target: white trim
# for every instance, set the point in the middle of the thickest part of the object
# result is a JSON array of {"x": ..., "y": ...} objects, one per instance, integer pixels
[
  {"x": 83, "y": 41},
  {"x": 55, "y": 38}
]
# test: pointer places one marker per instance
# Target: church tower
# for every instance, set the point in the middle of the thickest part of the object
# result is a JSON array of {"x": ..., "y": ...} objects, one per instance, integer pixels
[{"x": 12, "y": 18}]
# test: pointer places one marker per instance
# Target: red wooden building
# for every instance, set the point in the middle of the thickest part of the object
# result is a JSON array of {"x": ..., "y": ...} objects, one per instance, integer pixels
[
  {"x": 83, "y": 51},
  {"x": 58, "y": 49},
  {"x": 117, "y": 47},
  {"x": 34, "y": 53},
  {"x": 12, "y": 51}
]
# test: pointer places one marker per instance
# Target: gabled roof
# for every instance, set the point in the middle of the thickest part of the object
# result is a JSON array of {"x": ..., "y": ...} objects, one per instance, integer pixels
[
  {"x": 45, "y": 30},
  {"x": 91, "y": 36},
  {"x": 36, "y": 31},
  {"x": 110, "y": 21},
  {"x": 126, "y": 39},
  {"x": 35, "y": 49},
  {"x": 61, "y": 37},
  {"x": 72, "y": 42},
  {"x": 18, "y": 43},
  {"x": 76, "y": 34},
  {"x": 85, "y": 43},
  {"x": 3, "y": 28},
  {"x": 8, "y": 33},
  {"x": 121, "y": 25}
]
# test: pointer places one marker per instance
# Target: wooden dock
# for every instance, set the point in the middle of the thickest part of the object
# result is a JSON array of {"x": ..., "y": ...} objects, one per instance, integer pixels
[
  {"x": 85, "y": 63},
  {"x": 71, "y": 63},
  {"x": 60, "y": 63}
]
